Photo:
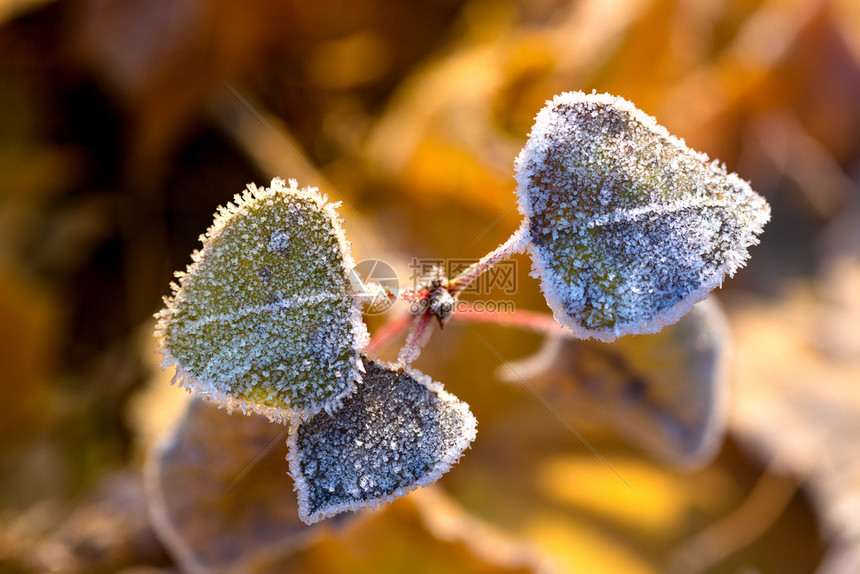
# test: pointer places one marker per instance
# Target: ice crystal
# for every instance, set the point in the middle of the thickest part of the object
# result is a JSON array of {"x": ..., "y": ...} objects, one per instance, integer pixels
[
  {"x": 629, "y": 228},
  {"x": 399, "y": 431},
  {"x": 264, "y": 318}
]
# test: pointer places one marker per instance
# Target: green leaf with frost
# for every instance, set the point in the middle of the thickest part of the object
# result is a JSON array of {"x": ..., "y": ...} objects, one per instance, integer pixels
[
  {"x": 629, "y": 228},
  {"x": 399, "y": 431},
  {"x": 264, "y": 319}
]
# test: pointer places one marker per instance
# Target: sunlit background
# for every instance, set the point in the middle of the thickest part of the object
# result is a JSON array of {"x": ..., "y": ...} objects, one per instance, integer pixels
[{"x": 123, "y": 125}]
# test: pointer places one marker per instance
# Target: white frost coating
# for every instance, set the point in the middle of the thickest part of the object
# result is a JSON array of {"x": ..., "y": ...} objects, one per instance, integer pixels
[
  {"x": 629, "y": 228},
  {"x": 279, "y": 241},
  {"x": 400, "y": 431},
  {"x": 415, "y": 341},
  {"x": 264, "y": 319},
  {"x": 516, "y": 243}
]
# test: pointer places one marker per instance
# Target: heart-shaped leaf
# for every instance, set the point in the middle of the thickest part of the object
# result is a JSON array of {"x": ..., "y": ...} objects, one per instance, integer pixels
[
  {"x": 629, "y": 228},
  {"x": 399, "y": 431},
  {"x": 264, "y": 319}
]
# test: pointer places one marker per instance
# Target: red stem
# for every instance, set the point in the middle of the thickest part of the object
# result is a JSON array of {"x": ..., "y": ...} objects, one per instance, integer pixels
[
  {"x": 421, "y": 329},
  {"x": 514, "y": 244},
  {"x": 532, "y": 320}
]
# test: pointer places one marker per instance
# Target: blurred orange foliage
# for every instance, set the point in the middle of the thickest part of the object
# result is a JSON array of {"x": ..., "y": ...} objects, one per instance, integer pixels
[{"x": 124, "y": 125}]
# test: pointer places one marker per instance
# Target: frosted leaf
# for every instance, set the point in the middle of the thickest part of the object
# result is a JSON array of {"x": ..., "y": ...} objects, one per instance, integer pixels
[
  {"x": 399, "y": 431},
  {"x": 629, "y": 228},
  {"x": 666, "y": 393},
  {"x": 264, "y": 319}
]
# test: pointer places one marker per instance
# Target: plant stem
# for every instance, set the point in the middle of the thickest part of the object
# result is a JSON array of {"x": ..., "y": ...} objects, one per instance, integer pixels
[
  {"x": 543, "y": 323},
  {"x": 421, "y": 327},
  {"x": 516, "y": 243},
  {"x": 419, "y": 335}
]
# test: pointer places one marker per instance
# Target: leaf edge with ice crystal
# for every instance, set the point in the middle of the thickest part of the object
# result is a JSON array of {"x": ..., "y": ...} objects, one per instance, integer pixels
[
  {"x": 209, "y": 391},
  {"x": 553, "y": 286},
  {"x": 442, "y": 466}
]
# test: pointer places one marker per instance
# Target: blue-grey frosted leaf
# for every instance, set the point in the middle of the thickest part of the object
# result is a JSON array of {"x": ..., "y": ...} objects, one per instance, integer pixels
[
  {"x": 629, "y": 228},
  {"x": 264, "y": 319},
  {"x": 399, "y": 431}
]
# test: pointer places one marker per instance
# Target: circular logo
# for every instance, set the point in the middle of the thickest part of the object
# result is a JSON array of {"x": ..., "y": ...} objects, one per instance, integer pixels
[{"x": 381, "y": 273}]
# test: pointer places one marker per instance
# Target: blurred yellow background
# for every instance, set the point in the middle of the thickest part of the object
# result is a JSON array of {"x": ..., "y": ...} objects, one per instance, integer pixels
[{"x": 123, "y": 125}]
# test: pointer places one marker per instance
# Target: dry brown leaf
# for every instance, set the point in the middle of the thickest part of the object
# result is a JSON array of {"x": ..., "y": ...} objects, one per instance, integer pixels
[
  {"x": 665, "y": 392},
  {"x": 799, "y": 407},
  {"x": 220, "y": 497}
]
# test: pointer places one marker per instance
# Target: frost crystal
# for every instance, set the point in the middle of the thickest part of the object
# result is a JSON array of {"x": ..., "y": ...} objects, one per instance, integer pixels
[
  {"x": 264, "y": 319},
  {"x": 399, "y": 431},
  {"x": 629, "y": 228}
]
